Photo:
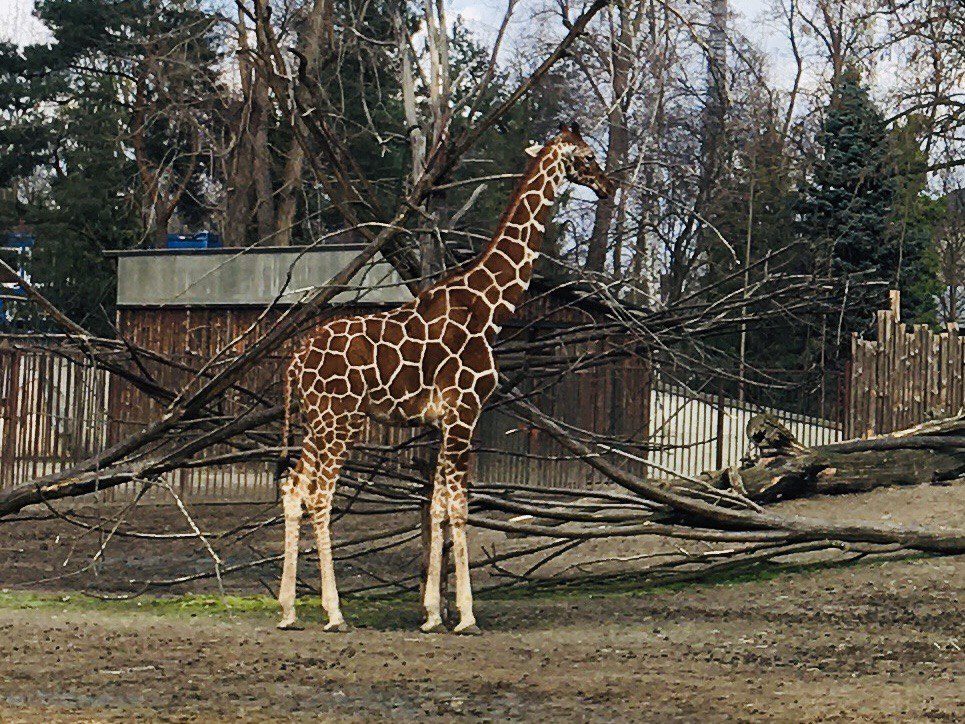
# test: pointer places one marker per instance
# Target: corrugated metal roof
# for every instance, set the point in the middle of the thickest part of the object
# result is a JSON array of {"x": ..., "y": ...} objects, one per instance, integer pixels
[{"x": 247, "y": 277}]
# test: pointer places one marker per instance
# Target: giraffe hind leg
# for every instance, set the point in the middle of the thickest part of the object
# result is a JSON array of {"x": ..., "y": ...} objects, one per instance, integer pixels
[
  {"x": 458, "y": 441},
  {"x": 458, "y": 514},
  {"x": 321, "y": 518},
  {"x": 333, "y": 445}
]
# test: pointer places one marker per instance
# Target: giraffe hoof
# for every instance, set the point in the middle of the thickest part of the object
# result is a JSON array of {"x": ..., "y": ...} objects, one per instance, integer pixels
[
  {"x": 433, "y": 628},
  {"x": 290, "y": 626},
  {"x": 470, "y": 630},
  {"x": 340, "y": 627}
]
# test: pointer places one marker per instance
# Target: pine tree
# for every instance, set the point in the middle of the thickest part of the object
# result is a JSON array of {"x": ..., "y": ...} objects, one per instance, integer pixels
[
  {"x": 865, "y": 214},
  {"x": 915, "y": 220},
  {"x": 845, "y": 211},
  {"x": 89, "y": 210}
]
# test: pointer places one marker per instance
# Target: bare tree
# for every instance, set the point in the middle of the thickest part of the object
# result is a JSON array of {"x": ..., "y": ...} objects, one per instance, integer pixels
[{"x": 951, "y": 259}]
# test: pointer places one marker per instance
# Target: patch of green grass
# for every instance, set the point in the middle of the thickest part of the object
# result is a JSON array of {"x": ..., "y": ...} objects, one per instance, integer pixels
[
  {"x": 405, "y": 612},
  {"x": 367, "y": 612},
  {"x": 176, "y": 605}
]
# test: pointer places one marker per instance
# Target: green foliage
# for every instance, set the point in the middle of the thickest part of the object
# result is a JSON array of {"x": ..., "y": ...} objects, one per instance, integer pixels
[
  {"x": 848, "y": 202},
  {"x": 754, "y": 210},
  {"x": 67, "y": 130},
  {"x": 860, "y": 214},
  {"x": 88, "y": 210}
]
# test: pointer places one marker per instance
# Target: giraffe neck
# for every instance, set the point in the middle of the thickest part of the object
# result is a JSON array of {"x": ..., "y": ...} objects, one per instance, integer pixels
[{"x": 510, "y": 255}]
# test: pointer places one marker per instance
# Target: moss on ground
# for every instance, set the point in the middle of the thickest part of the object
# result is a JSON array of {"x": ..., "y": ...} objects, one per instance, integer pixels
[
  {"x": 389, "y": 612},
  {"x": 368, "y": 612}
]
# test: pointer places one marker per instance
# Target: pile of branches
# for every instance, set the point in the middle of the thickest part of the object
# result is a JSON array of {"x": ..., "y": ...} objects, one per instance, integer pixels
[
  {"x": 722, "y": 510},
  {"x": 725, "y": 509}
]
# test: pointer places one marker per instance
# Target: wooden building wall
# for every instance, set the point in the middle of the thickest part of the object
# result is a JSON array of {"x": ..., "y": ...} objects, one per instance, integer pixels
[{"x": 609, "y": 399}]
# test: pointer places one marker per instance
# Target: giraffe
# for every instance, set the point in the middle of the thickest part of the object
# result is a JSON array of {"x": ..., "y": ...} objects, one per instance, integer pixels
[{"x": 426, "y": 362}]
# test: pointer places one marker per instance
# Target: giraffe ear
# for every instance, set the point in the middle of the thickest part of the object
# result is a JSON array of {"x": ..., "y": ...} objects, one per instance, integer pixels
[{"x": 534, "y": 149}]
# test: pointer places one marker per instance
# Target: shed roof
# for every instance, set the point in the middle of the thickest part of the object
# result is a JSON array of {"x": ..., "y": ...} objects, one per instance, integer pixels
[{"x": 242, "y": 277}]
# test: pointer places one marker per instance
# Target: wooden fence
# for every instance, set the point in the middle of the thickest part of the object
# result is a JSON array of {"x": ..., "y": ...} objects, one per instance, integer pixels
[
  {"x": 55, "y": 411},
  {"x": 907, "y": 375},
  {"x": 52, "y": 412}
]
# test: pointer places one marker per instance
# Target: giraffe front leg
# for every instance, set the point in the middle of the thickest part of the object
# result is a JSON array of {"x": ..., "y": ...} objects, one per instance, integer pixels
[
  {"x": 458, "y": 516},
  {"x": 292, "y": 503},
  {"x": 457, "y": 439},
  {"x": 437, "y": 514}
]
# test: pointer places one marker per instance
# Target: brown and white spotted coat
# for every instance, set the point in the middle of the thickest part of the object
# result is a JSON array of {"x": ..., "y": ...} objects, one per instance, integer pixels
[{"x": 427, "y": 362}]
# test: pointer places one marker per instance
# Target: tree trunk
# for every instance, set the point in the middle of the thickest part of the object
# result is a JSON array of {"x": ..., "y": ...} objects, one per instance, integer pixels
[
  {"x": 617, "y": 143},
  {"x": 782, "y": 468},
  {"x": 261, "y": 163},
  {"x": 314, "y": 40},
  {"x": 238, "y": 159},
  {"x": 162, "y": 219},
  {"x": 238, "y": 195},
  {"x": 716, "y": 109}
]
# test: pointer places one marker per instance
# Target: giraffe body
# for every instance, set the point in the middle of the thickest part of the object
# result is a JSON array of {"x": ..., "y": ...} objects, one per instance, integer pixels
[{"x": 426, "y": 362}]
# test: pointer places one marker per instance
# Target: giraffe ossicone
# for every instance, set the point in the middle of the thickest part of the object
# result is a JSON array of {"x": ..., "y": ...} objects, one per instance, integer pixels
[{"x": 426, "y": 362}]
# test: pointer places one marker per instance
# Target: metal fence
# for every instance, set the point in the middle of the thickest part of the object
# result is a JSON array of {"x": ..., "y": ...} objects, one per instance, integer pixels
[{"x": 694, "y": 431}]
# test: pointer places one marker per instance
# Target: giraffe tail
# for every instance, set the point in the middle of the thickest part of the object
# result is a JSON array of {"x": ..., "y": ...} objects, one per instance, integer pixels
[{"x": 282, "y": 463}]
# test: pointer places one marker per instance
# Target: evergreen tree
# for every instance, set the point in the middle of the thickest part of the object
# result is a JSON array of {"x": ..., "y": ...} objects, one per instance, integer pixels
[
  {"x": 66, "y": 125},
  {"x": 865, "y": 213},
  {"x": 915, "y": 220},
  {"x": 89, "y": 210},
  {"x": 846, "y": 210},
  {"x": 754, "y": 212}
]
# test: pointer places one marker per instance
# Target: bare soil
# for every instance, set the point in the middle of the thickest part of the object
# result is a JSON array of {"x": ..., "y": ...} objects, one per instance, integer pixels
[{"x": 869, "y": 642}]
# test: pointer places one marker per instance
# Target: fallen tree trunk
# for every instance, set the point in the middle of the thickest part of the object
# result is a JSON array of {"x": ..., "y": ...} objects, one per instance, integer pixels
[
  {"x": 782, "y": 468},
  {"x": 747, "y": 515}
]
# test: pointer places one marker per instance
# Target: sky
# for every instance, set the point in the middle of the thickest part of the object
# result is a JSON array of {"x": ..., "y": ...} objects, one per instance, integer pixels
[
  {"x": 483, "y": 16},
  {"x": 18, "y": 24},
  {"x": 752, "y": 18}
]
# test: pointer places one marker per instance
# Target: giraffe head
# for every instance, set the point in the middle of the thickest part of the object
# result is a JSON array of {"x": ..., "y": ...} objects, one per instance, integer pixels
[{"x": 580, "y": 163}]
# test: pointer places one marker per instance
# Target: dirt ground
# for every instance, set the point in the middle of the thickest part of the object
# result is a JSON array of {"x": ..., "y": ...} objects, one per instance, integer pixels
[{"x": 871, "y": 642}]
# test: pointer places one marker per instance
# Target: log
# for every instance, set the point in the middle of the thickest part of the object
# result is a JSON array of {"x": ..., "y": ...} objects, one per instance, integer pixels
[{"x": 782, "y": 468}]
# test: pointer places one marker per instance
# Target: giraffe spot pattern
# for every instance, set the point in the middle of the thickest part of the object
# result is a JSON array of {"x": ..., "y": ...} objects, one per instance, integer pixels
[{"x": 428, "y": 361}]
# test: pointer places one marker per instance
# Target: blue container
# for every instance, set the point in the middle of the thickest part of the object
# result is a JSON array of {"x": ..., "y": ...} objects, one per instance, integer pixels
[
  {"x": 19, "y": 240},
  {"x": 201, "y": 240}
]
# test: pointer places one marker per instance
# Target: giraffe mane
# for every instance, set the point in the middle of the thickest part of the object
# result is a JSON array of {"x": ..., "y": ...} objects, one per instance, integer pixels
[{"x": 507, "y": 214}]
